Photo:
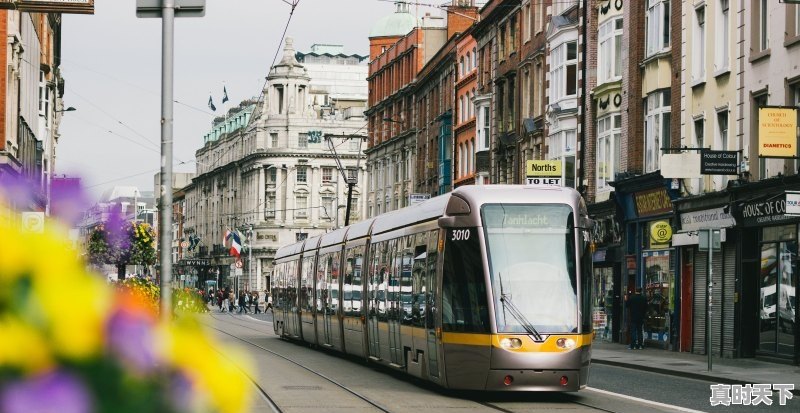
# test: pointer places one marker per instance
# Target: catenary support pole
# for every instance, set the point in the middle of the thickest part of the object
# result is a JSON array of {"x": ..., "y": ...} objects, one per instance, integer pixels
[
  {"x": 709, "y": 297},
  {"x": 165, "y": 207}
]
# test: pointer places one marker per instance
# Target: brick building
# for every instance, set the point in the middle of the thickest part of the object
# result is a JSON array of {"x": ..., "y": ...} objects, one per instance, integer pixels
[{"x": 464, "y": 117}]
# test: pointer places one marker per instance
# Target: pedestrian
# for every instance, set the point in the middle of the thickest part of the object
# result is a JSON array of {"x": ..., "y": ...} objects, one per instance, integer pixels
[
  {"x": 224, "y": 304},
  {"x": 247, "y": 301},
  {"x": 242, "y": 303},
  {"x": 637, "y": 307},
  {"x": 255, "y": 302},
  {"x": 231, "y": 300}
]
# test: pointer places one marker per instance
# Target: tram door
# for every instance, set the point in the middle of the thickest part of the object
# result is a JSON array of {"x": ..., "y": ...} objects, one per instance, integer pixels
[
  {"x": 324, "y": 292},
  {"x": 289, "y": 302},
  {"x": 377, "y": 269},
  {"x": 398, "y": 265},
  {"x": 431, "y": 304}
]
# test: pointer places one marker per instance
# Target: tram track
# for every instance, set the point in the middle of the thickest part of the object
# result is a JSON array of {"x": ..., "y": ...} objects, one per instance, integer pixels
[
  {"x": 263, "y": 392},
  {"x": 493, "y": 405}
]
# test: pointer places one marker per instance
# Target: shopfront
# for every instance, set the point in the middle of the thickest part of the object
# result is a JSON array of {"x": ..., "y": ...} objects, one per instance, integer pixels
[
  {"x": 606, "y": 271},
  {"x": 651, "y": 259},
  {"x": 694, "y": 274},
  {"x": 770, "y": 275}
]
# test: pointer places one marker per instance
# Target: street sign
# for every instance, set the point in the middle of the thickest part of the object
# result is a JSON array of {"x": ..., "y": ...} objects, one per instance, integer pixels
[
  {"x": 792, "y": 203},
  {"x": 185, "y": 244},
  {"x": 414, "y": 199},
  {"x": 239, "y": 264},
  {"x": 719, "y": 162},
  {"x": 183, "y": 8},
  {"x": 543, "y": 181},
  {"x": 33, "y": 222},
  {"x": 715, "y": 244}
]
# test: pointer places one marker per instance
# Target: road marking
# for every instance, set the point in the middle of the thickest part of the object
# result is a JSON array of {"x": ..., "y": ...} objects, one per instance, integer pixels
[{"x": 664, "y": 405}]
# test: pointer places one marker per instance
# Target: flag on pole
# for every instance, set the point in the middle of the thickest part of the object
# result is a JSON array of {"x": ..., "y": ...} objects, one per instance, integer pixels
[
  {"x": 211, "y": 104},
  {"x": 225, "y": 237},
  {"x": 224, "y": 94},
  {"x": 236, "y": 245}
]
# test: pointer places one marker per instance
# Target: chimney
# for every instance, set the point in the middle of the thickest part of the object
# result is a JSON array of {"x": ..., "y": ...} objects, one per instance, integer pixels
[{"x": 461, "y": 14}]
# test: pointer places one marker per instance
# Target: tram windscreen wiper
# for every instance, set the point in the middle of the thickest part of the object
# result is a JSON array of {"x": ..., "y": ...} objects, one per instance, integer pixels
[{"x": 507, "y": 304}]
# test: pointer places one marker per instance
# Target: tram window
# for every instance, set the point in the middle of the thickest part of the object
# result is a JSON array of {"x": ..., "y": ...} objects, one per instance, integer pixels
[
  {"x": 464, "y": 304},
  {"x": 307, "y": 284},
  {"x": 418, "y": 279},
  {"x": 585, "y": 278},
  {"x": 431, "y": 296},
  {"x": 406, "y": 291}
]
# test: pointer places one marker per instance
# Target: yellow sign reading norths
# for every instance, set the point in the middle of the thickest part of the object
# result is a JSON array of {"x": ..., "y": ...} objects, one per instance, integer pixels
[
  {"x": 543, "y": 168},
  {"x": 777, "y": 132}
]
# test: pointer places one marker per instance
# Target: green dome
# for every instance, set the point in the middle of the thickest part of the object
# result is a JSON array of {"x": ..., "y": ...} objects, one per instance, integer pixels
[{"x": 395, "y": 24}]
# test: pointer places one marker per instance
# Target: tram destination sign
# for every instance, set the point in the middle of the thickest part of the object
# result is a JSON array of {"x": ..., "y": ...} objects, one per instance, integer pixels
[{"x": 719, "y": 162}]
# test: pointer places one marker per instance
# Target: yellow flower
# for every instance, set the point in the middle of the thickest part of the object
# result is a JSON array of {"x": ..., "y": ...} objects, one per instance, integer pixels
[
  {"x": 214, "y": 374},
  {"x": 23, "y": 346}
]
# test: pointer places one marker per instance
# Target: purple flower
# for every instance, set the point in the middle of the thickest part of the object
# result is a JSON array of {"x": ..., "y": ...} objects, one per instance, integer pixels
[
  {"x": 181, "y": 393},
  {"x": 24, "y": 193},
  {"x": 68, "y": 200},
  {"x": 131, "y": 338},
  {"x": 54, "y": 392}
]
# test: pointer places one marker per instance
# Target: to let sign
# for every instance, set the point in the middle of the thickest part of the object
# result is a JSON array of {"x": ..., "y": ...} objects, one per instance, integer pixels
[
  {"x": 777, "y": 132},
  {"x": 719, "y": 162},
  {"x": 543, "y": 173}
]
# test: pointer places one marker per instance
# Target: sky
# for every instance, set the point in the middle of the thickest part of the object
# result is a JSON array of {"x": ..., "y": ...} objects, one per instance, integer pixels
[{"x": 111, "y": 63}]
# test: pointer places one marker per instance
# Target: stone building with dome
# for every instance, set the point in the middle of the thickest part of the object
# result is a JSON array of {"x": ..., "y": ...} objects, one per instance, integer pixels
[{"x": 274, "y": 177}]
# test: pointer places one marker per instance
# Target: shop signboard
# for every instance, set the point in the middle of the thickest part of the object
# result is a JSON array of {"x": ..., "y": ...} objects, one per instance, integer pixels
[
  {"x": 719, "y": 162},
  {"x": 777, "y": 132},
  {"x": 50, "y": 6},
  {"x": 708, "y": 218},
  {"x": 652, "y": 202},
  {"x": 543, "y": 173},
  {"x": 767, "y": 212},
  {"x": 660, "y": 234},
  {"x": 793, "y": 203}
]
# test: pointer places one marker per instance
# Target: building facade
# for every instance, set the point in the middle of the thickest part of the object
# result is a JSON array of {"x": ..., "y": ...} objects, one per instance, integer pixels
[{"x": 276, "y": 170}]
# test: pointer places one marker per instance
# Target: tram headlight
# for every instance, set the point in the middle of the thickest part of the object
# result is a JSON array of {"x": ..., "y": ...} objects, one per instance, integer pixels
[
  {"x": 511, "y": 343},
  {"x": 565, "y": 343}
]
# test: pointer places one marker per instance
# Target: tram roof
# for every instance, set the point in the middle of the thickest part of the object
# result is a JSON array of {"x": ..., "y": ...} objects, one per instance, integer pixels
[
  {"x": 289, "y": 250},
  {"x": 312, "y": 243},
  {"x": 485, "y": 194},
  {"x": 421, "y": 212},
  {"x": 360, "y": 229},
  {"x": 333, "y": 237}
]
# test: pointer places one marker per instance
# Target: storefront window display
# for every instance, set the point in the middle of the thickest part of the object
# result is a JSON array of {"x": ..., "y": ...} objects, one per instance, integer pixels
[
  {"x": 603, "y": 303},
  {"x": 778, "y": 284},
  {"x": 658, "y": 289}
]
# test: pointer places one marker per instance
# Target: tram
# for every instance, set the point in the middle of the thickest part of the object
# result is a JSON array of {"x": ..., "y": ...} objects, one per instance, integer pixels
[{"x": 485, "y": 288}]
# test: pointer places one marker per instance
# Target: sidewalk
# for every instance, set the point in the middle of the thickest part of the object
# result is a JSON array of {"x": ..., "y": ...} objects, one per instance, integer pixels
[{"x": 728, "y": 371}]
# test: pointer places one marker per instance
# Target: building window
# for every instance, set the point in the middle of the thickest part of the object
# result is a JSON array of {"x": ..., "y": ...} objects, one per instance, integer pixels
[
  {"x": 722, "y": 48},
  {"x": 272, "y": 176},
  {"x": 538, "y": 90},
  {"x": 273, "y": 136},
  {"x": 526, "y": 94},
  {"x": 302, "y": 174},
  {"x": 301, "y": 206},
  {"x": 561, "y": 146},
  {"x": 722, "y": 129},
  {"x": 656, "y": 128},
  {"x": 483, "y": 129},
  {"x": 610, "y": 51},
  {"x": 270, "y": 206},
  {"x": 327, "y": 174},
  {"x": 526, "y": 22},
  {"x": 512, "y": 31},
  {"x": 797, "y": 19},
  {"x": 502, "y": 43},
  {"x": 354, "y": 144},
  {"x": 699, "y": 58},
  {"x": 699, "y": 133},
  {"x": 539, "y": 16},
  {"x": 302, "y": 140},
  {"x": 461, "y": 67},
  {"x": 609, "y": 131},
  {"x": 760, "y": 32},
  {"x": 658, "y": 26},
  {"x": 564, "y": 73},
  {"x": 328, "y": 211},
  {"x": 44, "y": 96}
]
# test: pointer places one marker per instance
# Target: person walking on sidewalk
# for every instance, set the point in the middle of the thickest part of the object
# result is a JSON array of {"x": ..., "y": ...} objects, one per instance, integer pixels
[{"x": 637, "y": 306}]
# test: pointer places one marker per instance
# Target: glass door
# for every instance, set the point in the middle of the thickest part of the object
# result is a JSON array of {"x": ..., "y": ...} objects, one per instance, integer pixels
[{"x": 777, "y": 298}]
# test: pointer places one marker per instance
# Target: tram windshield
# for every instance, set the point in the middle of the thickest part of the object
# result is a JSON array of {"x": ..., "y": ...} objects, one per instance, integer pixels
[{"x": 531, "y": 252}]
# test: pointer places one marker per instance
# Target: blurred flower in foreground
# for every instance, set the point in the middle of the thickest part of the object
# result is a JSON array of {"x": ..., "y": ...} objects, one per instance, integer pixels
[{"x": 73, "y": 344}]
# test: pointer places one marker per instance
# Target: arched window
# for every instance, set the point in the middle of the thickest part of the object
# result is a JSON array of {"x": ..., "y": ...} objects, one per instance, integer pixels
[
  {"x": 469, "y": 62},
  {"x": 469, "y": 157},
  {"x": 461, "y": 68},
  {"x": 474, "y": 57}
]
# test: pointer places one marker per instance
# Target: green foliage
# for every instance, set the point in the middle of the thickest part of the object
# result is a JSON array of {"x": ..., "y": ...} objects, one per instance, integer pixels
[{"x": 122, "y": 243}]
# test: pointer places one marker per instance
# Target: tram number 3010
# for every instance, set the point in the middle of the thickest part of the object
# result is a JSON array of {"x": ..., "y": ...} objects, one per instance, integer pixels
[{"x": 460, "y": 235}]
